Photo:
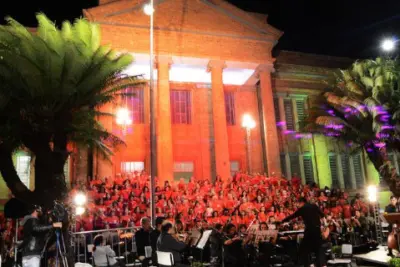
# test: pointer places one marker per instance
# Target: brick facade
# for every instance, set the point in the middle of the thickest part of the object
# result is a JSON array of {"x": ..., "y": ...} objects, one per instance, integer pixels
[{"x": 217, "y": 37}]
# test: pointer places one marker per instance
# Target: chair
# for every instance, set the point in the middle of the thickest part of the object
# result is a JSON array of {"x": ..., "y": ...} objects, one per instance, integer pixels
[
  {"x": 81, "y": 264},
  {"x": 165, "y": 258},
  {"x": 347, "y": 253}
]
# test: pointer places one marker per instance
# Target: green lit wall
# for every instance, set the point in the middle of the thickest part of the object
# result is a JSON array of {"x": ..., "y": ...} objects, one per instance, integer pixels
[{"x": 322, "y": 161}]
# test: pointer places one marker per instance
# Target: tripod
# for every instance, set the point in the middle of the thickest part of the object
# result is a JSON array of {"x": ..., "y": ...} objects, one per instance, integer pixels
[{"x": 61, "y": 251}]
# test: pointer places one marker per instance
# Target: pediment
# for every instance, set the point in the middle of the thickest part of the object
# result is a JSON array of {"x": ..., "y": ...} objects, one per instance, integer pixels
[{"x": 216, "y": 17}]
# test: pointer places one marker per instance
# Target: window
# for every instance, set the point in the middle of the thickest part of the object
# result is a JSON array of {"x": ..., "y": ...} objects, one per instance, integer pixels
[
  {"x": 230, "y": 108},
  {"x": 334, "y": 171},
  {"x": 294, "y": 164},
  {"x": 135, "y": 103},
  {"x": 283, "y": 165},
  {"x": 234, "y": 167},
  {"x": 132, "y": 166},
  {"x": 181, "y": 107},
  {"x": 23, "y": 169},
  {"x": 183, "y": 170},
  {"x": 276, "y": 109},
  {"x": 300, "y": 108},
  {"x": 346, "y": 171},
  {"x": 308, "y": 169},
  {"x": 358, "y": 171},
  {"x": 287, "y": 103}
]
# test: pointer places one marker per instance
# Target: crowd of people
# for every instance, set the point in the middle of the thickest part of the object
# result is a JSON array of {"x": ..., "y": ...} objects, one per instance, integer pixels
[
  {"x": 242, "y": 200},
  {"x": 229, "y": 207}
]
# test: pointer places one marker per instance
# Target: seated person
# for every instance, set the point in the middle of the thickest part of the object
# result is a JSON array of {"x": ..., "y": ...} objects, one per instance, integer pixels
[
  {"x": 167, "y": 243},
  {"x": 103, "y": 255}
]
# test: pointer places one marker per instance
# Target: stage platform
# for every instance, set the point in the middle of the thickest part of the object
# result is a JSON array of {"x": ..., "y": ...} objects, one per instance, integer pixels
[{"x": 376, "y": 257}]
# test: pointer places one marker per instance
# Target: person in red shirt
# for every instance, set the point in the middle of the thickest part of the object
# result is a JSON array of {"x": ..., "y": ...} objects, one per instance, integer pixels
[
  {"x": 296, "y": 181},
  {"x": 126, "y": 216},
  {"x": 99, "y": 223},
  {"x": 347, "y": 210},
  {"x": 112, "y": 220},
  {"x": 88, "y": 221}
]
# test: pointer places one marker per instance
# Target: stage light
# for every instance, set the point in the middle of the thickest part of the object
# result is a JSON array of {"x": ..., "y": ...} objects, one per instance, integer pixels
[
  {"x": 372, "y": 193},
  {"x": 248, "y": 122},
  {"x": 79, "y": 210},
  {"x": 123, "y": 117},
  {"x": 80, "y": 199},
  {"x": 148, "y": 9},
  {"x": 388, "y": 45}
]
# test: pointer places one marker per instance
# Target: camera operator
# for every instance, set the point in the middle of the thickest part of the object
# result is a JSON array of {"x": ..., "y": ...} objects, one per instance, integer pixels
[{"x": 34, "y": 237}]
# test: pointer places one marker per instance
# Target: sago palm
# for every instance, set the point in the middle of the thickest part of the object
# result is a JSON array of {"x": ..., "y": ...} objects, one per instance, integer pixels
[
  {"x": 52, "y": 85},
  {"x": 361, "y": 110}
]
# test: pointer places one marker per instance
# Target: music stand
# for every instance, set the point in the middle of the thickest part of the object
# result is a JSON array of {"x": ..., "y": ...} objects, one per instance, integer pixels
[
  {"x": 202, "y": 242},
  {"x": 393, "y": 218}
]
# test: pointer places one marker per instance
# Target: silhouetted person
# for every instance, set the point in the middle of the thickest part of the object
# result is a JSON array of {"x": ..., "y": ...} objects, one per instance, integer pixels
[{"x": 312, "y": 241}]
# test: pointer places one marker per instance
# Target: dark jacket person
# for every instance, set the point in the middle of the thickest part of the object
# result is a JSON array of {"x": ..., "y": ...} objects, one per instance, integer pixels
[
  {"x": 312, "y": 241},
  {"x": 142, "y": 236},
  {"x": 167, "y": 243},
  {"x": 34, "y": 237}
]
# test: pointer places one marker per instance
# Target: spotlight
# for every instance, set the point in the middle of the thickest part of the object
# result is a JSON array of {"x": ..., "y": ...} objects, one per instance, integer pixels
[
  {"x": 79, "y": 210},
  {"x": 80, "y": 199},
  {"x": 372, "y": 193},
  {"x": 388, "y": 45}
]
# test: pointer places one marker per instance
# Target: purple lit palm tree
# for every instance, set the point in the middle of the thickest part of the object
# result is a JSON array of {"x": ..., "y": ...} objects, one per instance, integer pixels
[{"x": 361, "y": 110}]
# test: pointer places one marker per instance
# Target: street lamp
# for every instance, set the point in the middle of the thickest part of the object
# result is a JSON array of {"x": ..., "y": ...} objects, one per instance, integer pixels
[
  {"x": 388, "y": 45},
  {"x": 248, "y": 123},
  {"x": 123, "y": 118},
  {"x": 149, "y": 10}
]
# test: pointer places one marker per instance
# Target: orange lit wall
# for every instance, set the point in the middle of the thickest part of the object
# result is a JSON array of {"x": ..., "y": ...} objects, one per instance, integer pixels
[{"x": 190, "y": 143}]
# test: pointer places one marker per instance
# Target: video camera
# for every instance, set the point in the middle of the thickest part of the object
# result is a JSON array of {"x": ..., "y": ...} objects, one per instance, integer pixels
[{"x": 59, "y": 212}]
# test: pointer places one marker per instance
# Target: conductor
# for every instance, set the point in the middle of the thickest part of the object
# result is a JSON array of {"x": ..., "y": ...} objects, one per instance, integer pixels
[{"x": 312, "y": 241}]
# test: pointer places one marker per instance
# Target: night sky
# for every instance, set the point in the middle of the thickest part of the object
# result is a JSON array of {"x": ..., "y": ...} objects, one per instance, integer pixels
[{"x": 351, "y": 28}]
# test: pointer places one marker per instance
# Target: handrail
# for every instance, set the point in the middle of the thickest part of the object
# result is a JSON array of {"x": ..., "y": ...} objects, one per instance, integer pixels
[{"x": 105, "y": 230}]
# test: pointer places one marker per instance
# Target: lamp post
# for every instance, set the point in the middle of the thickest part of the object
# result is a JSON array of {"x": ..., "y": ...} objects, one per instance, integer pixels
[
  {"x": 248, "y": 123},
  {"x": 149, "y": 10}
]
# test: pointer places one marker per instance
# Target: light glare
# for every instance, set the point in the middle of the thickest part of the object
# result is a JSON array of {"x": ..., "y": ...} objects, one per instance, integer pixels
[
  {"x": 123, "y": 117},
  {"x": 80, "y": 199},
  {"x": 148, "y": 9},
  {"x": 248, "y": 122},
  {"x": 388, "y": 45},
  {"x": 79, "y": 210},
  {"x": 372, "y": 193}
]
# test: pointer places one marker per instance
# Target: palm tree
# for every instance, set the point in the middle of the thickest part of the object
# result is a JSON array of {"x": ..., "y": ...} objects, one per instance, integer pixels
[
  {"x": 362, "y": 110},
  {"x": 53, "y": 84}
]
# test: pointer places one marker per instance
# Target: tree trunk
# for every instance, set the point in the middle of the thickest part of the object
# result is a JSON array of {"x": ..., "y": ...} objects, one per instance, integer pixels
[
  {"x": 49, "y": 178},
  {"x": 386, "y": 170},
  {"x": 10, "y": 176}
]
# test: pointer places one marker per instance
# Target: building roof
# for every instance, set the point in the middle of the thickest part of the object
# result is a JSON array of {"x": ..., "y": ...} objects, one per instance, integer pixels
[
  {"x": 201, "y": 15},
  {"x": 314, "y": 60},
  {"x": 212, "y": 29}
]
